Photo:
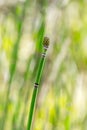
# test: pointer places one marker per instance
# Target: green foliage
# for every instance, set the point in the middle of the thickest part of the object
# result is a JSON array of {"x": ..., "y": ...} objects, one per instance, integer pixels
[{"x": 61, "y": 102}]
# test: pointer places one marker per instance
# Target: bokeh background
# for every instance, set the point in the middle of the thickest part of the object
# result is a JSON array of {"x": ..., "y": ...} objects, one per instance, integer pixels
[{"x": 62, "y": 97}]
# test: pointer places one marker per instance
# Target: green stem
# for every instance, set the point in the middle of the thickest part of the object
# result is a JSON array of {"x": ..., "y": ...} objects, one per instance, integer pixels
[
  {"x": 20, "y": 94},
  {"x": 33, "y": 101},
  {"x": 34, "y": 95}
]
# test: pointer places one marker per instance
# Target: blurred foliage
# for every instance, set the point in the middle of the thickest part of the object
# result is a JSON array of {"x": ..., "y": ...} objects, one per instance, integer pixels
[{"x": 62, "y": 97}]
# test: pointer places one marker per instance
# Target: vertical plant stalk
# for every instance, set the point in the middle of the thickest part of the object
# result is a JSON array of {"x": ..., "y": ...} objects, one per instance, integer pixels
[
  {"x": 38, "y": 77},
  {"x": 20, "y": 94},
  {"x": 13, "y": 64},
  {"x": 38, "y": 47}
]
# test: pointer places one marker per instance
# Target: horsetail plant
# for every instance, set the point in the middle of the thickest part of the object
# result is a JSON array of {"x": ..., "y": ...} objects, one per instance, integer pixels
[{"x": 38, "y": 77}]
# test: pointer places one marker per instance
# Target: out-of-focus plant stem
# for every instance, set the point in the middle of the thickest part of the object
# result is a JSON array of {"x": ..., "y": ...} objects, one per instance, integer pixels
[
  {"x": 13, "y": 63},
  {"x": 20, "y": 95},
  {"x": 40, "y": 36}
]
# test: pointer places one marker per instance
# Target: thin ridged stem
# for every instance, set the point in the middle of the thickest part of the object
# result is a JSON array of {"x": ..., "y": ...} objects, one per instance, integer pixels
[{"x": 35, "y": 90}]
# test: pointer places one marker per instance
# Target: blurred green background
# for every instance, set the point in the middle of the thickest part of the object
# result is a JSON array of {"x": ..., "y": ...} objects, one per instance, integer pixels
[{"x": 62, "y": 97}]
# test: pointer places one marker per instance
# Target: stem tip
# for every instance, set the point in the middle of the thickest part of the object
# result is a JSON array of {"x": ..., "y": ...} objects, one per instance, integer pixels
[{"x": 46, "y": 42}]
